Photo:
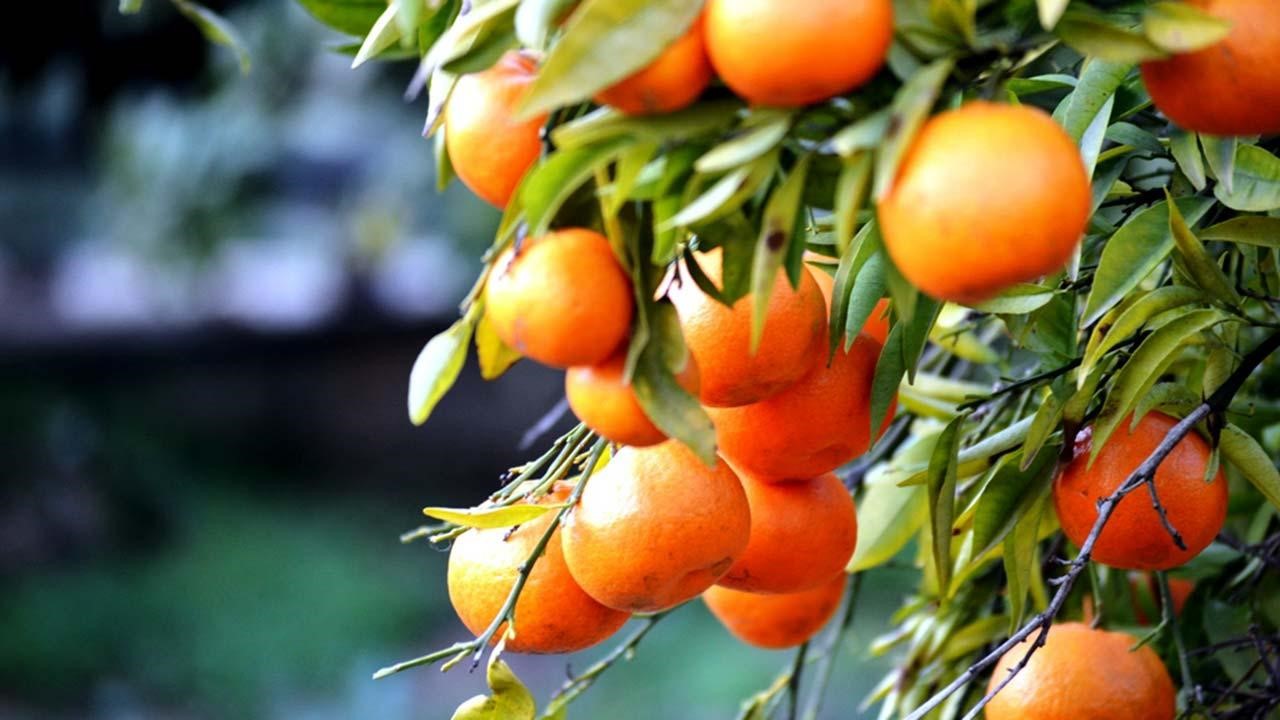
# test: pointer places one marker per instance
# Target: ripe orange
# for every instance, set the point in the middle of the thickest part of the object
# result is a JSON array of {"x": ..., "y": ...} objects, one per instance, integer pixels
[
  {"x": 670, "y": 83},
  {"x": 956, "y": 238},
  {"x": 656, "y": 527},
  {"x": 561, "y": 299},
  {"x": 720, "y": 337},
  {"x": 1083, "y": 674},
  {"x": 1134, "y": 537},
  {"x": 775, "y": 621},
  {"x": 553, "y": 614},
  {"x": 812, "y": 427},
  {"x": 1179, "y": 590},
  {"x": 607, "y": 405},
  {"x": 802, "y": 535},
  {"x": 1232, "y": 87},
  {"x": 489, "y": 148},
  {"x": 796, "y": 52}
]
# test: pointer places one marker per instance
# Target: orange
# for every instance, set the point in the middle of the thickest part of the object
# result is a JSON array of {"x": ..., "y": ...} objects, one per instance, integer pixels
[
  {"x": 802, "y": 535},
  {"x": 552, "y": 615},
  {"x": 775, "y": 621},
  {"x": 488, "y": 147},
  {"x": 670, "y": 83},
  {"x": 877, "y": 325},
  {"x": 796, "y": 52},
  {"x": 1134, "y": 537},
  {"x": 1083, "y": 674},
  {"x": 607, "y": 405},
  {"x": 1230, "y": 88},
  {"x": 720, "y": 337},
  {"x": 561, "y": 299},
  {"x": 812, "y": 427},
  {"x": 956, "y": 239},
  {"x": 656, "y": 527},
  {"x": 1179, "y": 590}
]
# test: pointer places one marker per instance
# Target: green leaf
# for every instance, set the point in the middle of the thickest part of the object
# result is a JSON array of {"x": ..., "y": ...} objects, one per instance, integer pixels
[
  {"x": 1152, "y": 358},
  {"x": 607, "y": 123},
  {"x": 510, "y": 700},
  {"x": 1017, "y": 300},
  {"x": 535, "y": 19},
  {"x": 977, "y": 457},
  {"x": 1107, "y": 335},
  {"x": 777, "y": 232},
  {"x": 668, "y": 405},
  {"x": 130, "y": 7},
  {"x": 910, "y": 109},
  {"x": 1020, "y": 557},
  {"x": 408, "y": 15},
  {"x": 1047, "y": 419},
  {"x": 727, "y": 194},
  {"x": 851, "y": 195},
  {"x": 1132, "y": 135},
  {"x": 1099, "y": 81},
  {"x": 1203, "y": 270},
  {"x": 604, "y": 42},
  {"x": 384, "y": 33},
  {"x": 1186, "y": 152},
  {"x": 851, "y": 262},
  {"x": 493, "y": 355},
  {"x": 864, "y": 134},
  {"x": 889, "y": 516},
  {"x": 1248, "y": 230},
  {"x": 1050, "y": 12},
  {"x": 437, "y": 367},
  {"x": 489, "y": 517},
  {"x": 1133, "y": 252},
  {"x": 1256, "y": 186},
  {"x": 1221, "y": 154},
  {"x": 890, "y": 368},
  {"x": 1040, "y": 83},
  {"x": 469, "y": 31},
  {"x": 868, "y": 288},
  {"x": 761, "y": 132},
  {"x": 1178, "y": 27},
  {"x": 631, "y": 162},
  {"x": 942, "y": 497},
  {"x": 553, "y": 180},
  {"x": 353, "y": 17},
  {"x": 1094, "y": 35},
  {"x": 1253, "y": 462},
  {"x": 216, "y": 30},
  {"x": 1009, "y": 495}
]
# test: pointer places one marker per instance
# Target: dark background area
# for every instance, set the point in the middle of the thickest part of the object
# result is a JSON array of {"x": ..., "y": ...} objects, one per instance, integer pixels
[{"x": 212, "y": 288}]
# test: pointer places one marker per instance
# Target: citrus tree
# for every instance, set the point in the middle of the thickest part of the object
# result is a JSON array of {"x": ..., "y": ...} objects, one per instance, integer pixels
[{"x": 1003, "y": 272}]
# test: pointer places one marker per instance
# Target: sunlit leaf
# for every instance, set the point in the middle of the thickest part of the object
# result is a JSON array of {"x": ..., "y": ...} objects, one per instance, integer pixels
[
  {"x": 1098, "y": 83},
  {"x": 1204, "y": 271},
  {"x": 941, "y": 483},
  {"x": 1050, "y": 12},
  {"x": 1046, "y": 420},
  {"x": 1246, "y": 229},
  {"x": 1017, "y": 300},
  {"x": 604, "y": 42},
  {"x": 1221, "y": 154},
  {"x": 607, "y": 124},
  {"x": 909, "y": 111},
  {"x": 889, "y": 516},
  {"x": 865, "y": 134},
  {"x": 489, "y": 517},
  {"x": 384, "y": 33},
  {"x": 851, "y": 194},
  {"x": 1109, "y": 334},
  {"x": 353, "y": 17},
  {"x": 510, "y": 699},
  {"x": 492, "y": 354},
  {"x": 1186, "y": 152},
  {"x": 554, "y": 180},
  {"x": 1094, "y": 35},
  {"x": 761, "y": 132},
  {"x": 1256, "y": 186},
  {"x": 437, "y": 367},
  {"x": 1246, "y": 455},
  {"x": 1021, "y": 558},
  {"x": 777, "y": 231},
  {"x": 535, "y": 19},
  {"x": 1180, "y": 27}
]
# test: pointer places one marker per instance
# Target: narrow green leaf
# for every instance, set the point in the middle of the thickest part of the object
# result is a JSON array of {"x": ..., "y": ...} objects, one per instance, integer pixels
[
  {"x": 384, "y": 33},
  {"x": 868, "y": 288},
  {"x": 864, "y": 134},
  {"x": 889, "y": 516},
  {"x": 1017, "y": 300},
  {"x": 1050, "y": 12},
  {"x": 1204, "y": 271},
  {"x": 1099, "y": 81},
  {"x": 216, "y": 30},
  {"x": 761, "y": 132},
  {"x": 1106, "y": 335},
  {"x": 1248, "y": 230},
  {"x": 1152, "y": 358},
  {"x": 1221, "y": 154},
  {"x": 1046, "y": 421},
  {"x": 889, "y": 371},
  {"x": 1242, "y": 451},
  {"x": 535, "y": 19},
  {"x": 851, "y": 261},
  {"x": 468, "y": 31},
  {"x": 668, "y": 405},
  {"x": 437, "y": 367},
  {"x": 606, "y": 123},
  {"x": 1178, "y": 27},
  {"x": 1186, "y": 152},
  {"x": 1020, "y": 557},
  {"x": 1172, "y": 398},
  {"x": 942, "y": 497},
  {"x": 977, "y": 457},
  {"x": 777, "y": 232},
  {"x": 130, "y": 7},
  {"x": 1134, "y": 251},
  {"x": 1093, "y": 35},
  {"x": 851, "y": 195},
  {"x": 557, "y": 176},
  {"x": 489, "y": 517},
  {"x": 727, "y": 194},
  {"x": 910, "y": 109},
  {"x": 1011, "y": 493},
  {"x": 631, "y": 162},
  {"x": 1130, "y": 134},
  {"x": 1256, "y": 185},
  {"x": 408, "y": 15},
  {"x": 604, "y": 42}
]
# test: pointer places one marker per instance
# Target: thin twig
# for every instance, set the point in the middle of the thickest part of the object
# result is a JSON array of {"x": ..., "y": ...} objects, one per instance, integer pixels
[
  {"x": 576, "y": 685},
  {"x": 793, "y": 683},
  {"x": 1170, "y": 620},
  {"x": 828, "y": 656}
]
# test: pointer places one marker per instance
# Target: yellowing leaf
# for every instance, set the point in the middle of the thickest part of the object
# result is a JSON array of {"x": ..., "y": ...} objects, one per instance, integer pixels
[
  {"x": 490, "y": 517},
  {"x": 493, "y": 355},
  {"x": 510, "y": 700}
]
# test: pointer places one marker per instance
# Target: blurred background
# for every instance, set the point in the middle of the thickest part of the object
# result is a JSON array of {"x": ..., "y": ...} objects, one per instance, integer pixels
[{"x": 212, "y": 288}]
